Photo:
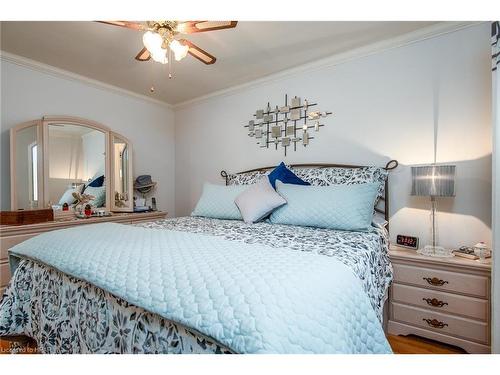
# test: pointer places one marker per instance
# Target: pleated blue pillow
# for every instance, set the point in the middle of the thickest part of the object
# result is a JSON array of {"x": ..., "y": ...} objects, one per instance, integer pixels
[
  {"x": 97, "y": 182},
  {"x": 343, "y": 207},
  {"x": 217, "y": 201},
  {"x": 285, "y": 175}
]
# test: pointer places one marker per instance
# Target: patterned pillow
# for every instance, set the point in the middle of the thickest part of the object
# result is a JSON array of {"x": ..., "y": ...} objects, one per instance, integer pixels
[
  {"x": 344, "y": 176},
  {"x": 249, "y": 178},
  {"x": 99, "y": 194}
]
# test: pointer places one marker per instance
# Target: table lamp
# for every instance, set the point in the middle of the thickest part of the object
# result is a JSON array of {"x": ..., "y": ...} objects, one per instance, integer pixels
[{"x": 433, "y": 181}]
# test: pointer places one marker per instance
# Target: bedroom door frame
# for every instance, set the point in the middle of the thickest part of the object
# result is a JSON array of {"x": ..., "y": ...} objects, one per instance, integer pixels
[
  {"x": 495, "y": 276},
  {"x": 495, "y": 226}
]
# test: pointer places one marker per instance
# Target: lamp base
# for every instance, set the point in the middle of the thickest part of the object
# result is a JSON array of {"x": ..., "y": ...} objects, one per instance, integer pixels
[{"x": 436, "y": 251}]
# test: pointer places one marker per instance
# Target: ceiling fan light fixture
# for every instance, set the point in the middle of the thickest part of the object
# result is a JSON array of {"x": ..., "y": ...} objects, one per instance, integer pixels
[
  {"x": 180, "y": 50},
  {"x": 159, "y": 36},
  {"x": 160, "y": 56},
  {"x": 152, "y": 41}
]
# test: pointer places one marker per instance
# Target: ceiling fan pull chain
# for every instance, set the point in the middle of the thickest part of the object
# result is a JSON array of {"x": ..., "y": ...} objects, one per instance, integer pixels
[
  {"x": 170, "y": 63},
  {"x": 152, "y": 89}
]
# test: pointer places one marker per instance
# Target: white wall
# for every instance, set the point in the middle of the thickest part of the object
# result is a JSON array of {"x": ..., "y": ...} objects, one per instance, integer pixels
[
  {"x": 385, "y": 107},
  {"x": 28, "y": 94}
]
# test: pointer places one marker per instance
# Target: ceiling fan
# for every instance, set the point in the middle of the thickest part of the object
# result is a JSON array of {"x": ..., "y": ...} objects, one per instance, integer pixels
[{"x": 160, "y": 37}]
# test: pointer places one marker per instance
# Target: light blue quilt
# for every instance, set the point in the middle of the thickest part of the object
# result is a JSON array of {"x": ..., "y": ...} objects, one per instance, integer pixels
[{"x": 250, "y": 297}]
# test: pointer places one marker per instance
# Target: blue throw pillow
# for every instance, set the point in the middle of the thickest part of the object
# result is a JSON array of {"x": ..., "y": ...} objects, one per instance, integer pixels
[
  {"x": 97, "y": 182},
  {"x": 285, "y": 175},
  {"x": 344, "y": 207}
]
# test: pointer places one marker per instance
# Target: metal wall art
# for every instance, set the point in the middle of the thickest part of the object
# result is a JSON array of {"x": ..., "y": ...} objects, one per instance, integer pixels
[{"x": 288, "y": 125}]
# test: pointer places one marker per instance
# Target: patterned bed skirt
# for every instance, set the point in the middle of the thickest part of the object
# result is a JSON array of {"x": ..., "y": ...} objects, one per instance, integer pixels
[{"x": 67, "y": 315}]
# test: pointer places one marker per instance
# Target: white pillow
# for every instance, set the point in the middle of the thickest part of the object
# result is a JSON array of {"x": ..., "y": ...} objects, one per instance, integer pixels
[
  {"x": 258, "y": 201},
  {"x": 67, "y": 197}
]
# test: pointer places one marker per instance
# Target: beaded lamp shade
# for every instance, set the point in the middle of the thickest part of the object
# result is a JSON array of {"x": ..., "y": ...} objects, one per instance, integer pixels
[{"x": 433, "y": 181}]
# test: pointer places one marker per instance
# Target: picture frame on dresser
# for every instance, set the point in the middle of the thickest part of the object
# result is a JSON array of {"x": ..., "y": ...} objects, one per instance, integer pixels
[{"x": 443, "y": 299}]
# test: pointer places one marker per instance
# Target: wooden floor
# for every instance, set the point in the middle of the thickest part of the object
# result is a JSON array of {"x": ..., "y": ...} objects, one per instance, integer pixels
[
  {"x": 21, "y": 347},
  {"x": 399, "y": 344},
  {"x": 419, "y": 345}
]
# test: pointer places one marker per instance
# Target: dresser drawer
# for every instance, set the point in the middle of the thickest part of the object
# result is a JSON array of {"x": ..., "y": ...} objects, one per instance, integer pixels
[
  {"x": 7, "y": 242},
  {"x": 452, "y": 325},
  {"x": 442, "y": 280},
  {"x": 441, "y": 301},
  {"x": 4, "y": 274}
]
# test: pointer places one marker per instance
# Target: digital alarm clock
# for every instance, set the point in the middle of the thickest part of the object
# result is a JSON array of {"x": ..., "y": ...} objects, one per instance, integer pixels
[{"x": 407, "y": 241}]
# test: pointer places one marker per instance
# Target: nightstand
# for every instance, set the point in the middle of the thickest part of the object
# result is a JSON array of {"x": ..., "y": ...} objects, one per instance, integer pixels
[{"x": 444, "y": 299}]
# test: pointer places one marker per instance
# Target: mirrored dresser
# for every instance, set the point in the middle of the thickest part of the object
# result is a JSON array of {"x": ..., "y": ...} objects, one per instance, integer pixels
[{"x": 74, "y": 167}]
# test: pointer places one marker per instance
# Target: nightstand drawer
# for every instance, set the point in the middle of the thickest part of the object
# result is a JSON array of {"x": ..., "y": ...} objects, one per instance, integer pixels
[
  {"x": 441, "y": 301},
  {"x": 442, "y": 280},
  {"x": 442, "y": 323}
]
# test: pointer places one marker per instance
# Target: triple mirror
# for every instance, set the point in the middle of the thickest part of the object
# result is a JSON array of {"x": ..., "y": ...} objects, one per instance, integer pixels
[{"x": 55, "y": 157}]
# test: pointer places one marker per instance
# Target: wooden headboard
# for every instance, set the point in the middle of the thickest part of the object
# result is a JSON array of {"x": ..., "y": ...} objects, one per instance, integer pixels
[{"x": 382, "y": 206}]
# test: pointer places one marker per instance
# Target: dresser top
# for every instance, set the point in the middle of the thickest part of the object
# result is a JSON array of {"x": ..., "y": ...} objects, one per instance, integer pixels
[
  {"x": 400, "y": 253},
  {"x": 64, "y": 222}
]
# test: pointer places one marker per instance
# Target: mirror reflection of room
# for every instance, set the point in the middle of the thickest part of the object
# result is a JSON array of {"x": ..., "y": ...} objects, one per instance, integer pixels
[
  {"x": 76, "y": 161},
  {"x": 26, "y": 174}
]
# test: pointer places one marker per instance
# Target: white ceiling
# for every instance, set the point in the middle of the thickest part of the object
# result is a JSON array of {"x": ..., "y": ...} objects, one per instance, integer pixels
[{"x": 250, "y": 51}]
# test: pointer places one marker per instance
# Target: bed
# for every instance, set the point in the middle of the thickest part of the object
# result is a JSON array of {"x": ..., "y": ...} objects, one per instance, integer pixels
[{"x": 201, "y": 285}]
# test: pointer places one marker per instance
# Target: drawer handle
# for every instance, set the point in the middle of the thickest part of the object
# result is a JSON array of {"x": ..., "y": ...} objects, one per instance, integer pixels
[
  {"x": 435, "y": 323},
  {"x": 434, "y": 302},
  {"x": 435, "y": 281}
]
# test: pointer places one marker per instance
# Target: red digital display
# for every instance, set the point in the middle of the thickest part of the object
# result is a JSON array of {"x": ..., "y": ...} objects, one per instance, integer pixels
[{"x": 407, "y": 241}]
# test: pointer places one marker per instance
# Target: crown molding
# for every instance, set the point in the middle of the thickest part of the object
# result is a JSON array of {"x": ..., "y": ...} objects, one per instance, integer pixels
[
  {"x": 61, "y": 73},
  {"x": 337, "y": 59}
]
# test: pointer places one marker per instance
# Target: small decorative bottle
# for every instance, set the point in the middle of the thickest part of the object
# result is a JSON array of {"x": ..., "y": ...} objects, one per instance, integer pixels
[
  {"x": 88, "y": 210},
  {"x": 482, "y": 251}
]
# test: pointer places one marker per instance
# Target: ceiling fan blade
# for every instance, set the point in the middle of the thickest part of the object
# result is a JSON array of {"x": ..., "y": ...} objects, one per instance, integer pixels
[
  {"x": 126, "y": 24},
  {"x": 143, "y": 55},
  {"x": 199, "y": 53},
  {"x": 190, "y": 27}
]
